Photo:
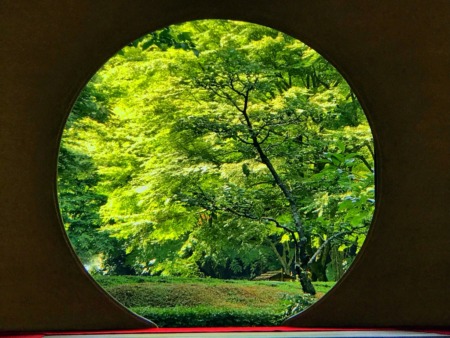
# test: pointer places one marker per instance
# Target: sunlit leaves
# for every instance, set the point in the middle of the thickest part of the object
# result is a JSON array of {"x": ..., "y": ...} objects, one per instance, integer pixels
[{"x": 185, "y": 190}]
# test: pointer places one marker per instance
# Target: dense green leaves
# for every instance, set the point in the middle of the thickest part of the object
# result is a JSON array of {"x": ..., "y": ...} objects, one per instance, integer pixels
[{"x": 219, "y": 148}]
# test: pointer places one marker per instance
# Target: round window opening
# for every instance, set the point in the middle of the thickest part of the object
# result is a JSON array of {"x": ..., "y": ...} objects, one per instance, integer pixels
[{"x": 217, "y": 173}]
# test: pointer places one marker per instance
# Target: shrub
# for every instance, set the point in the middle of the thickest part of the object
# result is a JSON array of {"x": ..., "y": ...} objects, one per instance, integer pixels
[
  {"x": 163, "y": 295},
  {"x": 298, "y": 303},
  {"x": 109, "y": 281},
  {"x": 209, "y": 317}
]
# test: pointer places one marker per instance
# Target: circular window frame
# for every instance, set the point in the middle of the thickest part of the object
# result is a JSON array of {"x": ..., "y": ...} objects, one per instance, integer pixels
[
  {"x": 345, "y": 79},
  {"x": 370, "y": 42}
]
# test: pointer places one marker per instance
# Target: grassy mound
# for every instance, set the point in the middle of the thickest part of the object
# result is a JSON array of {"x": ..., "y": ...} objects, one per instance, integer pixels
[
  {"x": 182, "y": 302},
  {"x": 196, "y": 294}
]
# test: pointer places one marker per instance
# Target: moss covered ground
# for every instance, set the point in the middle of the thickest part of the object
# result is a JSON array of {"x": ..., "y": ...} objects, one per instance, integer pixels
[{"x": 184, "y": 302}]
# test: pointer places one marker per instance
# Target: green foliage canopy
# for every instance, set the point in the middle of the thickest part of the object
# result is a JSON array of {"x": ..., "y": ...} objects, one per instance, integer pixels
[{"x": 219, "y": 148}]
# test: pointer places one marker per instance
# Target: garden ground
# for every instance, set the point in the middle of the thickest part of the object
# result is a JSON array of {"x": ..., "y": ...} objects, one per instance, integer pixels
[{"x": 195, "y": 302}]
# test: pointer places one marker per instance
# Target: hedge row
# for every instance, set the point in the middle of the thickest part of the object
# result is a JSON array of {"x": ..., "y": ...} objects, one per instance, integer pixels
[
  {"x": 198, "y": 294},
  {"x": 208, "y": 316}
]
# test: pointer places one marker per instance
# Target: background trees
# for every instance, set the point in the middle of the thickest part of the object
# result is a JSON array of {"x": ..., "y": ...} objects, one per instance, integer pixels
[{"x": 222, "y": 149}]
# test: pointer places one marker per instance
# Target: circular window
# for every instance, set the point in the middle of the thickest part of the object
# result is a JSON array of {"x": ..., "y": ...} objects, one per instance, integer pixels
[{"x": 218, "y": 170}]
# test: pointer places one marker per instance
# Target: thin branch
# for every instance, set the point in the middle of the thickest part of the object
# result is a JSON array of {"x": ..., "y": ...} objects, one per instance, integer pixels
[
  {"x": 231, "y": 81},
  {"x": 242, "y": 140},
  {"x": 280, "y": 258},
  {"x": 371, "y": 151},
  {"x": 265, "y": 138},
  {"x": 278, "y": 225},
  {"x": 362, "y": 158},
  {"x": 328, "y": 240},
  {"x": 263, "y": 182},
  {"x": 220, "y": 93}
]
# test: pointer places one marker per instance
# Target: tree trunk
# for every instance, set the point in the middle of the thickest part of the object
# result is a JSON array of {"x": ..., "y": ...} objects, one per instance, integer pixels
[
  {"x": 305, "y": 281},
  {"x": 319, "y": 266},
  {"x": 281, "y": 258},
  {"x": 301, "y": 256}
]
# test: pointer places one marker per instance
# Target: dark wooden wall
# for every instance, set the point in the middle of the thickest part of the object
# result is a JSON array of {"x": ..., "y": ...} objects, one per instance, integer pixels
[{"x": 395, "y": 54}]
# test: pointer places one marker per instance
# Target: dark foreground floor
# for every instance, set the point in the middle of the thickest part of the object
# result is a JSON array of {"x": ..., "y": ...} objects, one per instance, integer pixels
[{"x": 313, "y": 334}]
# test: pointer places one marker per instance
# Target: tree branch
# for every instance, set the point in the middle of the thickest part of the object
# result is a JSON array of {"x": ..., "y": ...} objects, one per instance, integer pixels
[
  {"x": 362, "y": 158},
  {"x": 328, "y": 240},
  {"x": 371, "y": 151},
  {"x": 279, "y": 257}
]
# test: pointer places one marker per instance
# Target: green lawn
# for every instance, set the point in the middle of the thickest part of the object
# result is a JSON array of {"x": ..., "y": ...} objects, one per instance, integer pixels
[{"x": 183, "y": 302}]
